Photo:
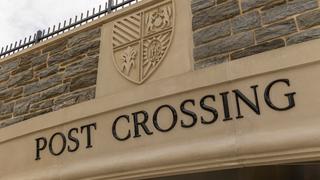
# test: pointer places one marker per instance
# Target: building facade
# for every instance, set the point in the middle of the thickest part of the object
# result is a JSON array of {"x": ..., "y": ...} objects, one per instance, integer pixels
[{"x": 168, "y": 89}]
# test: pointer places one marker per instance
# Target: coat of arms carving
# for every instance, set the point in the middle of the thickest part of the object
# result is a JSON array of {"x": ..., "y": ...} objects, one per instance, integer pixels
[{"x": 141, "y": 41}]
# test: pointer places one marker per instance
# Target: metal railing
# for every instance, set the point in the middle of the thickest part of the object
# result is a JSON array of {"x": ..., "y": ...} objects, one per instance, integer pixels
[{"x": 42, "y": 35}]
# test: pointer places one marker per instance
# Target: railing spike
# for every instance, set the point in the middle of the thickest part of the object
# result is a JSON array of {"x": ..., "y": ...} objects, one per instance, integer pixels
[
  {"x": 110, "y": 4},
  {"x": 75, "y": 19}
]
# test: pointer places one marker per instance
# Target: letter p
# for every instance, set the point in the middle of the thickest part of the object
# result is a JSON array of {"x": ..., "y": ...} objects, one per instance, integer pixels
[{"x": 41, "y": 145}]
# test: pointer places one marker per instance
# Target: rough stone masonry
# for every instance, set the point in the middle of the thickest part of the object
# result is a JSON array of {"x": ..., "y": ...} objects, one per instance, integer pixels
[
  {"x": 226, "y": 30},
  {"x": 48, "y": 79}
]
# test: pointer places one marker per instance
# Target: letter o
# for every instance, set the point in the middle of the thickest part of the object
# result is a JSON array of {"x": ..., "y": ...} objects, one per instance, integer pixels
[
  {"x": 174, "y": 117},
  {"x": 64, "y": 141}
]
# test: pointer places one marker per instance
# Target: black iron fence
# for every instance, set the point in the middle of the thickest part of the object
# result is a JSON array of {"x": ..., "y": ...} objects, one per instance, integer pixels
[{"x": 42, "y": 35}]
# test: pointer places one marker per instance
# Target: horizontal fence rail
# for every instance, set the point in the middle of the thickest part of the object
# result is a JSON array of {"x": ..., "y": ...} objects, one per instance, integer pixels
[{"x": 42, "y": 35}]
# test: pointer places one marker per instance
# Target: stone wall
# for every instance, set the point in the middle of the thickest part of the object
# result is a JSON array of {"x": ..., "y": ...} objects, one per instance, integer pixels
[
  {"x": 226, "y": 30},
  {"x": 50, "y": 78}
]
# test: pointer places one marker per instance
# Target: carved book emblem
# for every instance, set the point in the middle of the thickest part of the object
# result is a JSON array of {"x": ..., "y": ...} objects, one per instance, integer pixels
[{"x": 141, "y": 41}]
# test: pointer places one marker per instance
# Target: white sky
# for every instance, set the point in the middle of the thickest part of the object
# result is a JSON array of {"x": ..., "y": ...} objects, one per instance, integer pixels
[{"x": 22, "y": 18}]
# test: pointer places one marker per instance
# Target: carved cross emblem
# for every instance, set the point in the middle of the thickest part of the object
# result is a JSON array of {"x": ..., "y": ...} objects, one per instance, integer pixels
[{"x": 141, "y": 41}]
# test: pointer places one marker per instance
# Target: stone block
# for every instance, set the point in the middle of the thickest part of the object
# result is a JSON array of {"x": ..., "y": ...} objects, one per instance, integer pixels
[
  {"x": 72, "y": 60},
  {"x": 39, "y": 60},
  {"x": 285, "y": 10},
  {"x": 83, "y": 65},
  {"x": 43, "y": 84},
  {"x": 74, "y": 98},
  {"x": 59, "y": 57},
  {"x": 22, "y": 106},
  {"x": 6, "y": 93},
  {"x": 211, "y": 33},
  {"x": 9, "y": 94},
  {"x": 73, "y": 52},
  {"x": 3, "y": 86},
  {"x": 252, "y": 4},
  {"x": 246, "y": 22},
  {"x": 38, "y": 113},
  {"x": 84, "y": 37},
  {"x": 220, "y": 1},
  {"x": 20, "y": 78},
  {"x": 6, "y": 108},
  {"x": 21, "y": 69},
  {"x": 215, "y": 14},
  {"x": 6, "y": 116},
  {"x": 41, "y": 105},
  {"x": 309, "y": 19},
  {"x": 211, "y": 61},
  {"x": 4, "y": 77},
  {"x": 83, "y": 81},
  {"x": 197, "y": 5},
  {"x": 9, "y": 66},
  {"x": 55, "y": 91},
  {"x": 276, "y": 30},
  {"x": 17, "y": 91},
  {"x": 84, "y": 48},
  {"x": 26, "y": 58},
  {"x": 224, "y": 45},
  {"x": 304, "y": 36},
  {"x": 10, "y": 121},
  {"x": 40, "y": 67},
  {"x": 55, "y": 47},
  {"x": 48, "y": 71},
  {"x": 272, "y": 4},
  {"x": 266, "y": 46}
]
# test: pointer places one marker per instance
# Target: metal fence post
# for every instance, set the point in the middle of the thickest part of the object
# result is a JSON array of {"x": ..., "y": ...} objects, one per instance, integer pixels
[
  {"x": 110, "y": 4},
  {"x": 38, "y": 36}
]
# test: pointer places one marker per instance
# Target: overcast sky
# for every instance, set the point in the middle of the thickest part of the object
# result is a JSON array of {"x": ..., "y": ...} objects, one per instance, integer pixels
[{"x": 21, "y": 18}]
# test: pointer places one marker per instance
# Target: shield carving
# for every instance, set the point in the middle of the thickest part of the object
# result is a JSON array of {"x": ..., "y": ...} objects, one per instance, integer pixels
[{"x": 141, "y": 41}]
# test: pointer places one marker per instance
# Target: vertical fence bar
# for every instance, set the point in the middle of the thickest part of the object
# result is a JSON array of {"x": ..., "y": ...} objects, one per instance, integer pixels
[
  {"x": 110, "y": 4},
  {"x": 38, "y": 36}
]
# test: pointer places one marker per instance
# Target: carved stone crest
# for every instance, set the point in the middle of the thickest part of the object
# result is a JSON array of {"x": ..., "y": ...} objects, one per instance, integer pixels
[{"x": 141, "y": 41}]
